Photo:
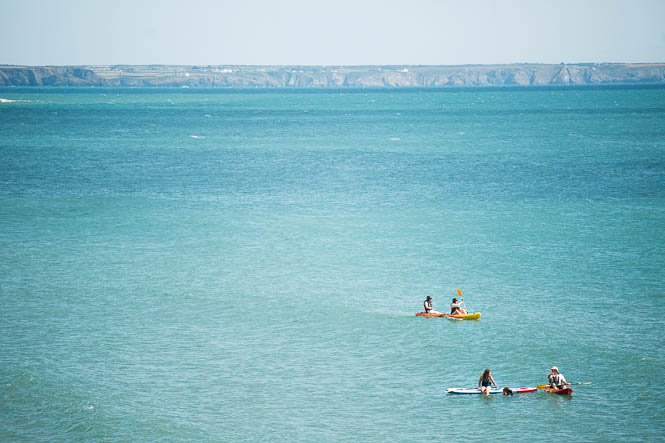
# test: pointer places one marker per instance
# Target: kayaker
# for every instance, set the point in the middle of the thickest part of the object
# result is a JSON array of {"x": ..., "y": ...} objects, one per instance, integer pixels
[
  {"x": 485, "y": 382},
  {"x": 429, "y": 309},
  {"x": 556, "y": 379},
  {"x": 456, "y": 309}
]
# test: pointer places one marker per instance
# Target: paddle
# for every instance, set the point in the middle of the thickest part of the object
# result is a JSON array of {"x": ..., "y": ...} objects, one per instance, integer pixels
[
  {"x": 547, "y": 386},
  {"x": 462, "y": 298}
]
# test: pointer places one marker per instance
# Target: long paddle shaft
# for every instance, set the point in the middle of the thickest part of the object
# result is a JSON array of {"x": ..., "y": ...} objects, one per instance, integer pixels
[
  {"x": 547, "y": 386},
  {"x": 462, "y": 298}
]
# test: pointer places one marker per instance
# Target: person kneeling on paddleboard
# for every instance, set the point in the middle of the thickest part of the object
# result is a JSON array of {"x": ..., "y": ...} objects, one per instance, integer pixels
[
  {"x": 429, "y": 309},
  {"x": 485, "y": 382},
  {"x": 456, "y": 309},
  {"x": 557, "y": 380}
]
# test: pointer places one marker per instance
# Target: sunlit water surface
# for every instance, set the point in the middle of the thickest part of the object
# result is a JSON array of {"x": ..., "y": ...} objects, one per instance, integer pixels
[{"x": 232, "y": 265}]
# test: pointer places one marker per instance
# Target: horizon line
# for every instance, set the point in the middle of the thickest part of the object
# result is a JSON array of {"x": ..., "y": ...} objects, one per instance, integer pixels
[{"x": 336, "y": 65}]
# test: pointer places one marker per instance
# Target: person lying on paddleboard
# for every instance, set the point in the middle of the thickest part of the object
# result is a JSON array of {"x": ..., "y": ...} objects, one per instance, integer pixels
[
  {"x": 456, "y": 309},
  {"x": 485, "y": 382},
  {"x": 557, "y": 380},
  {"x": 429, "y": 308}
]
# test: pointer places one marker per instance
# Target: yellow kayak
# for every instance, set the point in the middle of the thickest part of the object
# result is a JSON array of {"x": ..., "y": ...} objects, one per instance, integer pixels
[{"x": 472, "y": 316}]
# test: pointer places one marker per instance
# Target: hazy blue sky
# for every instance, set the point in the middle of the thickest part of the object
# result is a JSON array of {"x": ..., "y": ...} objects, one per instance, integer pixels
[{"x": 343, "y": 32}]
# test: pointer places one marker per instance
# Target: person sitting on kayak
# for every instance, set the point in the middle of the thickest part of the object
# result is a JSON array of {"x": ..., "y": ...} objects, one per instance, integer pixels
[
  {"x": 557, "y": 380},
  {"x": 429, "y": 309},
  {"x": 485, "y": 382},
  {"x": 456, "y": 309}
]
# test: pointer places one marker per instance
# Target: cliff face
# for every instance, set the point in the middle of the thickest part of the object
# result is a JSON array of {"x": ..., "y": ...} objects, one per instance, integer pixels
[
  {"x": 327, "y": 76},
  {"x": 47, "y": 76}
]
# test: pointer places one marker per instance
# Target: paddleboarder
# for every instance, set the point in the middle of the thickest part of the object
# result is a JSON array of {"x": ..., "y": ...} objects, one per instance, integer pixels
[
  {"x": 556, "y": 379},
  {"x": 485, "y": 382}
]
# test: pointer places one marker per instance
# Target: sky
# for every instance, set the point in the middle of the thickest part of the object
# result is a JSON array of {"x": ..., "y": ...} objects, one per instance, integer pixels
[{"x": 333, "y": 32}]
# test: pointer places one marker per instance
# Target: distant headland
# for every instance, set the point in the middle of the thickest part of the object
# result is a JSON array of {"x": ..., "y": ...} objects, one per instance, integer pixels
[{"x": 232, "y": 76}]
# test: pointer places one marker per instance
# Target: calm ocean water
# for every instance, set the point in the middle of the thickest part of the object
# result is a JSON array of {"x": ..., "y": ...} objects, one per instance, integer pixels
[{"x": 233, "y": 265}]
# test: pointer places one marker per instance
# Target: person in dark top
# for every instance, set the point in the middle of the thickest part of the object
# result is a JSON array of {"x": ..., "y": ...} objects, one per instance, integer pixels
[
  {"x": 429, "y": 308},
  {"x": 428, "y": 304},
  {"x": 456, "y": 308},
  {"x": 485, "y": 382}
]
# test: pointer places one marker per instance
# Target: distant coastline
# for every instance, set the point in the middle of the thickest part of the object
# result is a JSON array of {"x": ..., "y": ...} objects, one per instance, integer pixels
[{"x": 232, "y": 76}]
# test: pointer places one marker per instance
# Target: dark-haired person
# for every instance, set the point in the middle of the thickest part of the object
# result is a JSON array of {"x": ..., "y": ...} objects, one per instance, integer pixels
[
  {"x": 456, "y": 308},
  {"x": 429, "y": 308},
  {"x": 485, "y": 382}
]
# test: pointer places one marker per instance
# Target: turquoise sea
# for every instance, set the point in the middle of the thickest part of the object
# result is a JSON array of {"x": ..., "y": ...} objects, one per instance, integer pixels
[{"x": 245, "y": 265}]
